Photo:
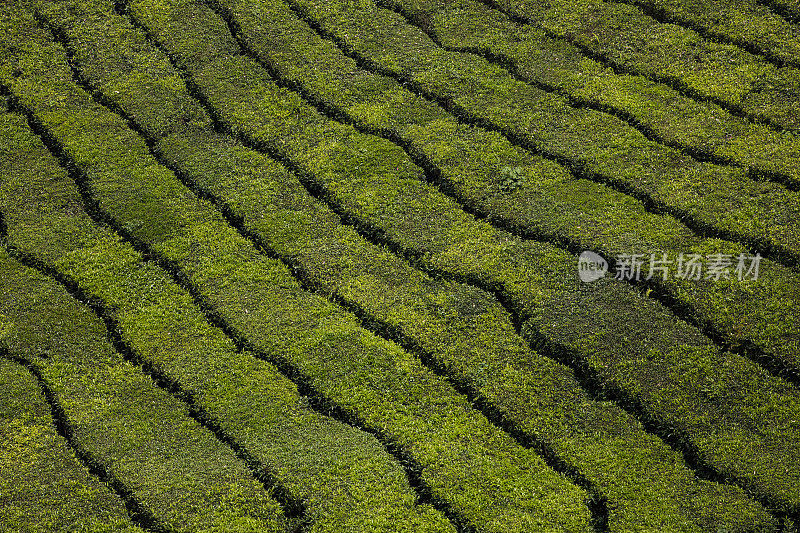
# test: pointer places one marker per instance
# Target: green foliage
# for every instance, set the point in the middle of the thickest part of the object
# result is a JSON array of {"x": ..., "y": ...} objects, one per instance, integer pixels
[
  {"x": 6, "y": 328},
  {"x": 136, "y": 431},
  {"x": 718, "y": 403},
  {"x": 589, "y": 214},
  {"x": 628, "y": 37},
  {"x": 673, "y": 117},
  {"x": 462, "y": 328},
  {"x": 254, "y": 404},
  {"x": 44, "y": 486},
  {"x": 722, "y": 198},
  {"x": 206, "y": 169},
  {"x": 743, "y": 22},
  {"x": 488, "y": 478},
  {"x": 511, "y": 178}
]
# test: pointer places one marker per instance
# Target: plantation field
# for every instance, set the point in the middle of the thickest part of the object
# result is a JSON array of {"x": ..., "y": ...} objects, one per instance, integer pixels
[{"x": 324, "y": 266}]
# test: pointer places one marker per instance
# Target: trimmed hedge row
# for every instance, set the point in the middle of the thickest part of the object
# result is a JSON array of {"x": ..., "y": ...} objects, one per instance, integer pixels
[
  {"x": 722, "y": 199},
  {"x": 344, "y": 476},
  {"x": 376, "y": 183},
  {"x": 177, "y": 471},
  {"x": 251, "y": 401},
  {"x": 583, "y": 213},
  {"x": 751, "y": 25},
  {"x": 44, "y": 485},
  {"x": 478, "y": 471},
  {"x": 461, "y": 328},
  {"x": 627, "y": 38},
  {"x": 697, "y": 127}
]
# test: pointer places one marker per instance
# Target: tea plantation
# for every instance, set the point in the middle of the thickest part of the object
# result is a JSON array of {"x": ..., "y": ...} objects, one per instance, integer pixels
[{"x": 320, "y": 266}]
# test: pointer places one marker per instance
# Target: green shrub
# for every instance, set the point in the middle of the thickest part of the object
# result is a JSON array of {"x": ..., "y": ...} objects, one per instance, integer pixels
[
  {"x": 251, "y": 293},
  {"x": 199, "y": 157},
  {"x": 627, "y": 38},
  {"x": 747, "y": 24},
  {"x": 488, "y": 478},
  {"x": 44, "y": 485},
  {"x": 584, "y": 213},
  {"x": 512, "y": 178}
]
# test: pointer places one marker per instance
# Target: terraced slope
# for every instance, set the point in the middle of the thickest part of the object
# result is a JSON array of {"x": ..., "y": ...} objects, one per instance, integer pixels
[
  {"x": 698, "y": 128},
  {"x": 331, "y": 245},
  {"x": 757, "y": 28},
  {"x": 44, "y": 484},
  {"x": 573, "y": 208},
  {"x": 243, "y": 400},
  {"x": 171, "y": 471},
  {"x": 631, "y": 40}
]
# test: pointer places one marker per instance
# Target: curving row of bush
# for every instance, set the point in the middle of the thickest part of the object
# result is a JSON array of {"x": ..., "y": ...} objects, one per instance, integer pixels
[
  {"x": 460, "y": 328},
  {"x": 375, "y": 182},
  {"x": 748, "y": 24},
  {"x": 479, "y": 473},
  {"x": 696, "y": 127},
  {"x": 788, "y": 9},
  {"x": 344, "y": 476},
  {"x": 628, "y": 39},
  {"x": 44, "y": 485},
  {"x": 584, "y": 214},
  {"x": 178, "y": 472},
  {"x": 331, "y": 466},
  {"x": 722, "y": 201}
]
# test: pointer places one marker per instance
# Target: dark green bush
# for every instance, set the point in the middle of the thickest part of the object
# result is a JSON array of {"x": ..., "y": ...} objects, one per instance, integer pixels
[
  {"x": 486, "y": 476},
  {"x": 44, "y": 485}
]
